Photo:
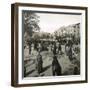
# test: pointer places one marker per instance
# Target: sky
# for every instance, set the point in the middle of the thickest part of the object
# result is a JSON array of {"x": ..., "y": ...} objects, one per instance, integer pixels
[{"x": 51, "y": 22}]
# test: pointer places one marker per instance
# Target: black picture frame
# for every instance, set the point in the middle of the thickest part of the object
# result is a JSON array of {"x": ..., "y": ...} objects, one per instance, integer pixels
[{"x": 15, "y": 42}]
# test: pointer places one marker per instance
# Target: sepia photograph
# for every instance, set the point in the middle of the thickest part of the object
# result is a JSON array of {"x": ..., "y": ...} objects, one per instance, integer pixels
[{"x": 51, "y": 43}]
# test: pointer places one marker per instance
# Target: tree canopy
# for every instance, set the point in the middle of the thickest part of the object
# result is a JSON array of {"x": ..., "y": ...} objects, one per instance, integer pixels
[{"x": 31, "y": 21}]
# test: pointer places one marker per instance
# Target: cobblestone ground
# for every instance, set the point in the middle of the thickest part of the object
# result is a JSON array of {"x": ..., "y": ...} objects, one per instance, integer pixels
[{"x": 67, "y": 66}]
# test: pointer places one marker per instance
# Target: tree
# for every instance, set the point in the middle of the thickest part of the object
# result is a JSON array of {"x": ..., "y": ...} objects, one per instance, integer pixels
[{"x": 31, "y": 21}]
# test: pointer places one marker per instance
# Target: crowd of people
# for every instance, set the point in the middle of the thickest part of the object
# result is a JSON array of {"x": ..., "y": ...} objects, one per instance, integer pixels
[{"x": 56, "y": 49}]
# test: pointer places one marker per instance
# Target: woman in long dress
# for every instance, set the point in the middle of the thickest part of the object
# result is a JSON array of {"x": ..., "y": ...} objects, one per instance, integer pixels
[
  {"x": 39, "y": 63},
  {"x": 56, "y": 68}
]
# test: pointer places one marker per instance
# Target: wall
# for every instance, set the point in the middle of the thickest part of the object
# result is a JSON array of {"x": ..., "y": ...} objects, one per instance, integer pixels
[{"x": 5, "y": 45}]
